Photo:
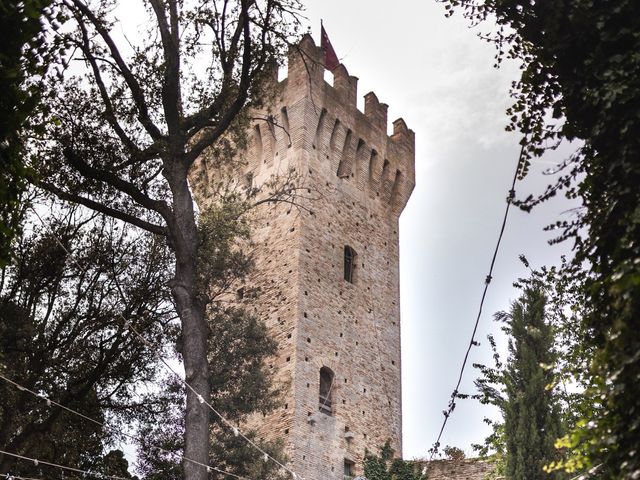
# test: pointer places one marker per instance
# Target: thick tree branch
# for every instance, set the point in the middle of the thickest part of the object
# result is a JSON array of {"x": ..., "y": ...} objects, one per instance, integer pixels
[
  {"x": 212, "y": 135},
  {"x": 116, "y": 182},
  {"x": 171, "y": 97},
  {"x": 202, "y": 118},
  {"x": 229, "y": 56},
  {"x": 101, "y": 208},
  {"x": 150, "y": 153}
]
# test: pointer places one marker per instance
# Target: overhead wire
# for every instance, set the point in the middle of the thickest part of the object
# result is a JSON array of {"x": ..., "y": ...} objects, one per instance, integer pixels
[
  {"x": 452, "y": 402},
  {"x": 127, "y": 324},
  {"x": 50, "y": 402},
  {"x": 37, "y": 462},
  {"x": 9, "y": 476}
]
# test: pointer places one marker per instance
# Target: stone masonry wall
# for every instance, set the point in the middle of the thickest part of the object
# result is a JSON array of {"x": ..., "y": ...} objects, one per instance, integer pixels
[
  {"x": 467, "y": 469},
  {"x": 356, "y": 181}
]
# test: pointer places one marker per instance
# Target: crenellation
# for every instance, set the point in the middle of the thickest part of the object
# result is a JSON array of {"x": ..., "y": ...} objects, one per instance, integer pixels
[
  {"x": 402, "y": 133},
  {"x": 375, "y": 111},
  {"x": 304, "y": 68},
  {"x": 333, "y": 116},
  {"x": 305, "y": 78},
  {"x": 346, "y": 86}
]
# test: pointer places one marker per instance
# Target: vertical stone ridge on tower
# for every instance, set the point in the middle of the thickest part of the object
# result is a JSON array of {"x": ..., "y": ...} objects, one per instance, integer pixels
[{"x": 327, "y": 268}]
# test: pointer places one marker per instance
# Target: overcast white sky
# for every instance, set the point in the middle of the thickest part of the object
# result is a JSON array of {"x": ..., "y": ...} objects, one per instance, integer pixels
[{"x": 436, "y": 74}]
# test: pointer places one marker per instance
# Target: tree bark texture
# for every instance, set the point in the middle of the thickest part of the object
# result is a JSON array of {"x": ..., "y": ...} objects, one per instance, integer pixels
[{"x": 184, "y": 237}]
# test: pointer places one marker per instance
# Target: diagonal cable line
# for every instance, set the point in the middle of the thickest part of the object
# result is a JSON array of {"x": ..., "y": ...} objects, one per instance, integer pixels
[
  {"x": 63, "y": 467},
  {"x": 156, "y": 353},
  {"x": 112, "y": 429},
  {"x": 452, "y": 402},
  {"x": 8, "y": 476}
]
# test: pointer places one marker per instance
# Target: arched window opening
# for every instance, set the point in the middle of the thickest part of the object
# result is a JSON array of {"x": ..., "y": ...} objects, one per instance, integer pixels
[
  {"x": 326, "y": 391},
  {"x": 349, "y": 264}
]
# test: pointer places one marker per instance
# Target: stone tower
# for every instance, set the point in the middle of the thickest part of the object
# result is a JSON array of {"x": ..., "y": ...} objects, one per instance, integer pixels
[{"x": 327, "y": 267}]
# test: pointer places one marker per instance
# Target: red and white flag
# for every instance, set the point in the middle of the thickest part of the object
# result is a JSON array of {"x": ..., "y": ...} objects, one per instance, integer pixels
[{"x": 330, "y": 58}]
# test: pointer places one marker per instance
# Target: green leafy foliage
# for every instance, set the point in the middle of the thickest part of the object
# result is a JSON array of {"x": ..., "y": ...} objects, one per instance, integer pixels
[
  {"x": 454, "y": 453},
  {"x": 62, "y": 332},
  {"x": 579, "y": 62},
  {"x": 224, "y": 235},
  {"x": 385, "y": 467},
  {"x": 567, "y": 308},
  {"x": 22, "y": 40},
  {"x": 62, "y": 335}
]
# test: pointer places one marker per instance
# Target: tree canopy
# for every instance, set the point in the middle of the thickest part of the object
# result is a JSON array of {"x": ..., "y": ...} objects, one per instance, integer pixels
[
  {"x": 62, "y": 301},
  {"x": 125, "y": 114},
  {"x": 24, "y": 54},
  {"x": 61, "y": 336}
]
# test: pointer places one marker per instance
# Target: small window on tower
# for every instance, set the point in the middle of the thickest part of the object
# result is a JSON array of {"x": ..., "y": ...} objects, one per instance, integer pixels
[
  {"x": 349, "y": 264},
  {"x": 349, "y": 470},
  {"x": 326, "y": 390}
]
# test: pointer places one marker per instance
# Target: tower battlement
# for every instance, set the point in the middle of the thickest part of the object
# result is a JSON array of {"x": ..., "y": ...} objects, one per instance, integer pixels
[
  {"x": 325, "y": 118},
  {"x": 306, "y": 67}
]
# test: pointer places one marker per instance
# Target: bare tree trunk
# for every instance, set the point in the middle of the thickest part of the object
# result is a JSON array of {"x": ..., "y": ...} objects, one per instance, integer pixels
[{"x": 194, "y": 327}]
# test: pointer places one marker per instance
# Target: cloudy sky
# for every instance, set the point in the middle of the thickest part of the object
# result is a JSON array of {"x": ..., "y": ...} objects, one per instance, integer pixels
[{"x": 437, "y": 75}]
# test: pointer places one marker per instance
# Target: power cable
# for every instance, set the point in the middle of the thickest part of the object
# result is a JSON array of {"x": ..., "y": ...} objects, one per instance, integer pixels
[
  {"x": 108, "y": 427},
  {"x": 201, "y": 399},
  {"x": 452, "y": 402},
  {"x": 37, "y": 462},
  {"x": 8, "y": 476}
]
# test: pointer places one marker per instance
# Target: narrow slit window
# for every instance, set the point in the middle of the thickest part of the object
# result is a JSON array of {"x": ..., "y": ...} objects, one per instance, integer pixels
[
  {"x": 326, "y": 391},
  {"x": 349, "y": 469},
  {"x": 349, "y": 264}
]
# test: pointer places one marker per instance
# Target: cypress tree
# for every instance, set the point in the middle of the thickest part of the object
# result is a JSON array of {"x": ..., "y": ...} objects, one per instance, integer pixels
[
  {"x": 523, "y": 388},
  {"x": 530, "y": 409}
]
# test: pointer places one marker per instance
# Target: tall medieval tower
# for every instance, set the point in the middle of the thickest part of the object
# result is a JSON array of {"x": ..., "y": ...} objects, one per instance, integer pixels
[{"x": 327, "y": 266}]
